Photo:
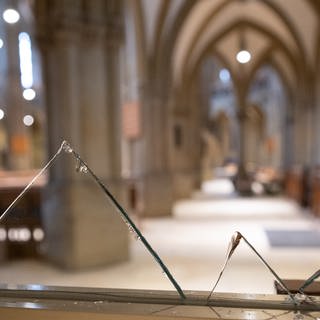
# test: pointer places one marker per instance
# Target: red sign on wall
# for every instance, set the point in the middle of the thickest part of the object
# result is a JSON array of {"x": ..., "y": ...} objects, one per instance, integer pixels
[{"x": 131, "y": 120}]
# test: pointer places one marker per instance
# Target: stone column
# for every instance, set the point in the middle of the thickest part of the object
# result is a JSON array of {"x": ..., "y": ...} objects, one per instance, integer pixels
[
  {"x": 287, "y": 141},
  {"x": 301, "y": 129},
  {"x": 316, "y": 131},
  {"x": 156, "y": 180},
  {"x": 312, "y": 126},
  {"x": 242, "y": 130},
  {"x": 81, "y": 80},
  {"x": 186, "y": 140},
  {"x": 242, "y": 182}
]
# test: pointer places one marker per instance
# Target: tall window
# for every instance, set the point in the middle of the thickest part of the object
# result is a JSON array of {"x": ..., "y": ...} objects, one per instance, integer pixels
[{"x": 25, "y": 54}]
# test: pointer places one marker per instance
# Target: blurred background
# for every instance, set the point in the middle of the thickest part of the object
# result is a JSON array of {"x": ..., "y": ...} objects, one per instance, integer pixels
[{"x": 201, "y": 117}]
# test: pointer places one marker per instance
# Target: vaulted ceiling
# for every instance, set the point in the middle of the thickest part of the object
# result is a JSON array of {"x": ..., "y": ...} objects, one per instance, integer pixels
[{"x": 181, "y": 33}]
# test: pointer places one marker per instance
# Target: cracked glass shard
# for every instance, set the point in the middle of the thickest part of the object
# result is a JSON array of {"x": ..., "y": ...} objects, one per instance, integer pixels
[
  {"x": 83, "y": 167},
  {"x": 235, "y": 240}
]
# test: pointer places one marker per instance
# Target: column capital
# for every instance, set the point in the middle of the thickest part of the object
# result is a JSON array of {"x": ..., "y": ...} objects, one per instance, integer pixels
[{"x": 73, "y": 22}]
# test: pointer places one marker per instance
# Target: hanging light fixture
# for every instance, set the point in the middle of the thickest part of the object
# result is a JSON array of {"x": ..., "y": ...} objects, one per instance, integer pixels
[{"x": 243, "y": 55}]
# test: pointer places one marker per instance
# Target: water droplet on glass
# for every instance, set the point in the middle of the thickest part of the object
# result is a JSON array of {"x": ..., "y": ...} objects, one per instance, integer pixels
[
  {"x": 300, "y": 297},
  {"x": 66, "y": 147},
  {"x": 298, "y": 316},
  {"x": 164, "y": 273},
  {"x": 83, "y": 169}
]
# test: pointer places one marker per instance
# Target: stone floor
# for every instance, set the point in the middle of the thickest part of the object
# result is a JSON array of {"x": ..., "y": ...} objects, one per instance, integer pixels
[{"x": 193, "y": 244}]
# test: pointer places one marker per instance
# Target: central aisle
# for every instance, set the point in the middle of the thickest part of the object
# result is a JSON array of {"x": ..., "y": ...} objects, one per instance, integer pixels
[{"x": 193, "y": 244}]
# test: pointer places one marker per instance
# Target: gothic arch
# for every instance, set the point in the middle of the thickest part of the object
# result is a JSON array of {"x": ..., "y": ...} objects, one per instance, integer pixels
[
  {"x": 195, "y": 68},
  {"x": 276, "y": 11},
  {"x": 267, "y": 59}
]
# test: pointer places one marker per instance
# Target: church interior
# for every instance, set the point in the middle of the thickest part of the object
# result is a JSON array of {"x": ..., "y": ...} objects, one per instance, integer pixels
[{"x": 199, "y": 116}]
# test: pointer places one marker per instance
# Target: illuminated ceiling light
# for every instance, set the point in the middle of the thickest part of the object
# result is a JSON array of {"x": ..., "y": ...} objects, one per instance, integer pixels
[
  {"x": 1, "y": 114},
  {"x": 224, "y": 75},
  {"x": 1, "y": 43},
  {"x": 29, "y": 94},
  {"x": 243, "y": 56},
  {"x": 28, "y": 120},
  {"x": 11, "y": 16}
]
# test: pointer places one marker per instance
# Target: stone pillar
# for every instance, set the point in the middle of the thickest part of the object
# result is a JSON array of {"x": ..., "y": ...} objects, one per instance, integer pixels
[
  {"x": 288, "y": 141},
  {"x": 309, "y": 113},
  {"x": 316, "y": 131},
  {"x": 186, "y": 141},
  {"x": 301, "y": 130},
  {"x": 157, "y": 180},
  {"x": 242, "y": 130},
  {"x": 147, "y": 155},
  {"x": 81, "y": 80},
  {"x": 242, "y": 181}
]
